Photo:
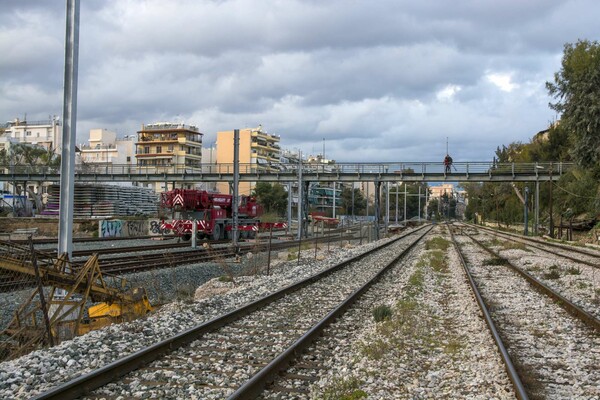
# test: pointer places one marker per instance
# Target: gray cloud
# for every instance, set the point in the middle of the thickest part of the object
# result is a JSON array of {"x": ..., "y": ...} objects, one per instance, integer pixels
[{"x": 385, "y": 80}]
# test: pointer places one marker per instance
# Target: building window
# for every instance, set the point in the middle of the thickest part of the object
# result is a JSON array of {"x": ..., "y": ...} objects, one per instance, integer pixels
[
  {"x": 170, "y": 148},
  {"x": 128, "y": 158},
  {"x": 158, "y": 149},
  {"x": 146, "y": 149},
  {"x": 28, "y": 133}
]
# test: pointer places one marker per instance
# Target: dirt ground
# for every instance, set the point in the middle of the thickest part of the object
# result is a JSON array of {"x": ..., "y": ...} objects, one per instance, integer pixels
[{"x": 46, "y": 227}]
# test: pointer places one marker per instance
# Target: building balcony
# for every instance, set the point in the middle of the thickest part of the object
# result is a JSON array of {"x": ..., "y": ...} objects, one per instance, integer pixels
[{"x": 265, "y": 136}]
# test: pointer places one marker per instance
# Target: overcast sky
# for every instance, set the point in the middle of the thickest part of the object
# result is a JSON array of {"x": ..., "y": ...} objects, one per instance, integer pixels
[{"x": 378, "y": 80}]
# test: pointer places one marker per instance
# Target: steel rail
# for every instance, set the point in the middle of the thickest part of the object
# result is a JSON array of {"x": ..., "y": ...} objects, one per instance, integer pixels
[
  {"x": 92, "y": 380},
  {"x": 253, "y": 387},
  {"x": 138, "y": 263},
  {"x": 528, "y": 241},
  {"x": 513, "y": 375},
  {"x": 565, "y": 303}
]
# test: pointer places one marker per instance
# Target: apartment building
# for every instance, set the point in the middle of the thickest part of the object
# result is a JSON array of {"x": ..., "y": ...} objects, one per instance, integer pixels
[
  {"x": 46, "y": 133},
  {"x": 105, "y": 149},
  {"x": 172, "y": 146},
  {"x": 440, "y": 190},
  {"x": 258, "y": 151},
  {"x": 164, "y": 144}
]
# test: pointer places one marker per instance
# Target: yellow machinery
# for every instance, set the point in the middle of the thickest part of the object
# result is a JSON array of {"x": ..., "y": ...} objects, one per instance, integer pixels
[{"x": 70, "y": 299}]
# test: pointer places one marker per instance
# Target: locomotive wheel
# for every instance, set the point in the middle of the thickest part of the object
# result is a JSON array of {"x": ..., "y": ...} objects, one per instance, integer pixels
[{"x": 186, "y": 237}]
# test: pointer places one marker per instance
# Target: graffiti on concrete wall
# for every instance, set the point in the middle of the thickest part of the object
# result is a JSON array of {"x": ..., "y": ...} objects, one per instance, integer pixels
[
  {"x": 111, "y": 228},
  {"x": 155, "y": 229},
  {"x": 136, "y": 228},
  {"x": 120, "y": 228}
]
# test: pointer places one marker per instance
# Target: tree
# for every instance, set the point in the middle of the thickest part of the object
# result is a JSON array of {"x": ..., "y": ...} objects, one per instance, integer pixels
[
  {"x": 360, "y": 203},
  {"x": 28, "y": 154},
  {"x": 412, "y": 200},
  {"x": 272, "y": 197},
  {"x": 577, "y": 90}
]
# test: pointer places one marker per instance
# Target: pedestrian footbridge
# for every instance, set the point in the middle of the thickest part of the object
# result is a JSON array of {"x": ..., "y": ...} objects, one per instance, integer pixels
[{"x": 282, "y": 172}]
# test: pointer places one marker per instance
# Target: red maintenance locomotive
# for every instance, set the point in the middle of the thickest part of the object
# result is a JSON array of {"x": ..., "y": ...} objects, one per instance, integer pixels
[{"x": 212, "y": 213}]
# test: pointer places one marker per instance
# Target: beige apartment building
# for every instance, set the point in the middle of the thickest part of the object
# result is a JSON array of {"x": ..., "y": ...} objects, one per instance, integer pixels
[
  {"x": 169, "y": 146},
  {"x": 258, "y": 151},
  {"x": 440, "y": 190},
  {"x": 164, "y": 144}
]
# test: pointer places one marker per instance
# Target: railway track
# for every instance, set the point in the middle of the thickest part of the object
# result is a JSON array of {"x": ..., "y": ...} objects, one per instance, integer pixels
[
  {"x": 573, "y": 273},
  {"x": 236, "y": 354},
  {"x": 117, "y": 265},
  {"x": 577, "y": 254},
  {"x": 550, "y": 346}
]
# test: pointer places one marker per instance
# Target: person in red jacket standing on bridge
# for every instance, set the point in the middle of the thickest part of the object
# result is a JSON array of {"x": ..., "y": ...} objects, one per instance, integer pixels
[{"x": 447, "y": 163}]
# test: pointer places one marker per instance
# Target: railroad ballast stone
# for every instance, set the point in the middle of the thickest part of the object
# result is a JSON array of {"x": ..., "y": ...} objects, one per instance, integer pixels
[{"x": 98, "y": 348}]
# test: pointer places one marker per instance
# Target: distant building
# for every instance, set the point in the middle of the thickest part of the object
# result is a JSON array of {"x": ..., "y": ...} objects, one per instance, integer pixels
[
  {"x": 440, "y": 190},
  {"x": 47, "y": 133},
  {"x": 258, "y": 151},
  {"x": 105, "y": 149},
  {"x": 167, "y": 144}
]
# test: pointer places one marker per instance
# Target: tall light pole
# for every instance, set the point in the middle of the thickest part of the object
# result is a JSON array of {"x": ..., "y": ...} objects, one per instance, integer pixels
[
  {"x": 419, "y": 213},
  {"x": 67, "y": 166},
  {"x": 397, "y": 203},
  {"x": 405, "y": 204}
]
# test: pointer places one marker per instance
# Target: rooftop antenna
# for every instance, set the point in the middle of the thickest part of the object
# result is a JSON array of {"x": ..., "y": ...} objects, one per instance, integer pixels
[{"x": 447, "y": 145}]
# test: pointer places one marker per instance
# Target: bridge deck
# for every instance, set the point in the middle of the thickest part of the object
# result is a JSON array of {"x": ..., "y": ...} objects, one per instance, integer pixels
[{"x": 342, "y": 172}]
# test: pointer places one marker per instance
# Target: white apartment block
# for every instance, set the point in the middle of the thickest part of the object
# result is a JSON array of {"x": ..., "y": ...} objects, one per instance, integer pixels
[
  {"x": 47, "y": 134},
  {"x": 105, "y": 149}
]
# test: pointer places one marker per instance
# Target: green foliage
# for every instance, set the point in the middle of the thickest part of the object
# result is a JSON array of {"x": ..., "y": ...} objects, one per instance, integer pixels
[
  {"x": 382, "y": 312},
  {"x": 573, "y": 271},
  {"x": 273, "y": 197},
  {"x": 576, "y": 137},
  {"x": 576, "y": 88},
  {"x": 412, "y": 200},
  {"x": 495, "y": 202},
  {"x": 344, "y": 389},
  {"x": 28, "y": 154},
  {"x": 577, "y": 193},
  {"x": 554, "y": 274},
  {"x": 438, "y": 243},
  {"x": 359, "y": 205},
  {"x": 495, "y": 261}
]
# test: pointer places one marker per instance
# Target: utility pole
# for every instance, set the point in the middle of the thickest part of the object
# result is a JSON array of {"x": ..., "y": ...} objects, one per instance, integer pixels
[
  {"x": 551, "y": 213},
  {"x": 405, "y": 204},
  {"x": 525, "y": 229},
  {"x": 289, "y": 207},
  {"x": 67, "y": 166},
  {"x": 419, "y": 203},
  {"x": 236, "y": 179},
  {"x": 352, "y": 201},
  {"x": 537, "y": 208},
  {"x": 299, "y": 196},
  {"x": 397, "y": 203}
]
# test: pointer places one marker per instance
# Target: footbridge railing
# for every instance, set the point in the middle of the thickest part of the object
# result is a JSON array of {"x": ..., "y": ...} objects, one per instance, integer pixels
[{"x": 274, "y": 171}]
